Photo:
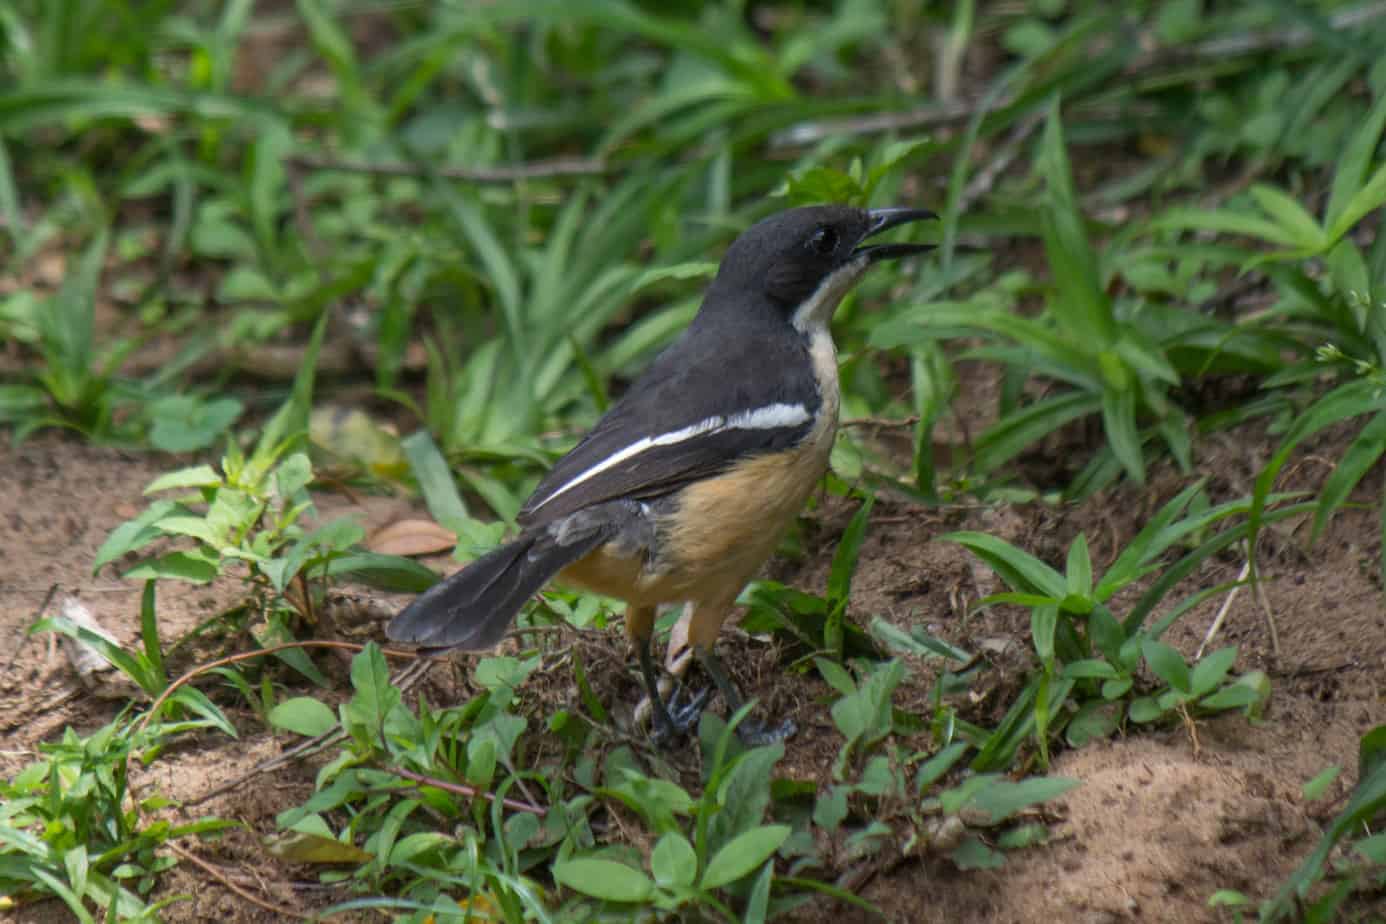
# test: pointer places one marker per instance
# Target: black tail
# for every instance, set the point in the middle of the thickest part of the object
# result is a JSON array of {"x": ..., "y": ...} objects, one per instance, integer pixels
[{"x": 473, "y": 608}]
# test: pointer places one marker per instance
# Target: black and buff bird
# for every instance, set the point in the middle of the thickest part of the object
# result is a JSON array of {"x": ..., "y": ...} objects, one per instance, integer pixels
[{"x": 684, "y": 487}]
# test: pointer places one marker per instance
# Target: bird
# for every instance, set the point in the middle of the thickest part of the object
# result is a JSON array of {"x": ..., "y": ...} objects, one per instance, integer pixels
[{"x": 684, "y": 487}]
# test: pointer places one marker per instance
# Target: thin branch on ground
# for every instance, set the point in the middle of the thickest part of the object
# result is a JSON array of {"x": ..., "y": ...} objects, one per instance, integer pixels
[
  {"x": 470, "y": 792},
  {"x": 1222, "y": 610},
  {"x": 276, "y": 908},
  {"x": 1259, "y": 586}
]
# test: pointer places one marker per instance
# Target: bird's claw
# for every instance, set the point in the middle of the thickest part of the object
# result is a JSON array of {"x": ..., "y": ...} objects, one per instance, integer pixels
[
  {"x": 755, "y": 734},
  {"x": 675, "y": 717}
]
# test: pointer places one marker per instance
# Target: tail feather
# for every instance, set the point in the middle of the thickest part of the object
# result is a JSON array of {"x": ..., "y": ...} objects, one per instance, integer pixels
[{"x": 473, "y": 608}]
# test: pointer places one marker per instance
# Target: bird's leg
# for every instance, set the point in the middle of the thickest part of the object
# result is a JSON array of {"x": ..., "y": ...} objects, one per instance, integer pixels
[
  {"x": 751, "y": 732},
  {"x": 674, "y": 717}
]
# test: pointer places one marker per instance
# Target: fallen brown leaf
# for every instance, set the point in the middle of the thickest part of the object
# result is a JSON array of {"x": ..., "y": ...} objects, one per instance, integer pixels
[{"x": 412, "y": 537}]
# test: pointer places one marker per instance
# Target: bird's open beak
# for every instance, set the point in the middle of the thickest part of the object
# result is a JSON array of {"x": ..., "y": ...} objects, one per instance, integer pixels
[{"x": 884, "y": 220}]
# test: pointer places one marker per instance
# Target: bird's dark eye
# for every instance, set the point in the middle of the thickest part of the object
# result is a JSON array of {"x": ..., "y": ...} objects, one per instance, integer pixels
[{"x": 823, "y": 241}]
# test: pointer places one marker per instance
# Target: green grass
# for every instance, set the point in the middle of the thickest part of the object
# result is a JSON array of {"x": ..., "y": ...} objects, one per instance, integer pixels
[{"x": 498, "y": 213}]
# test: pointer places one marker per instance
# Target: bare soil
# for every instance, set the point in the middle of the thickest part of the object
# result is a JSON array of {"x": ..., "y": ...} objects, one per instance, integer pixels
[{"x": 1163, "y": 818}]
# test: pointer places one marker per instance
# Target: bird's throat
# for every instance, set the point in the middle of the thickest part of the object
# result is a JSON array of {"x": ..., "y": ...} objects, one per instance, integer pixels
[{"x": 817, "y": 310}]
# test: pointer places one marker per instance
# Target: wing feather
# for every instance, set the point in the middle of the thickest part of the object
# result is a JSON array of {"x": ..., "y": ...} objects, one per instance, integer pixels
[{"x": 688, "y": 417}]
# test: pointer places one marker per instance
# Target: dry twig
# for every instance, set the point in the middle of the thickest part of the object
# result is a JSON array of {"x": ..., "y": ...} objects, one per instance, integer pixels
[{"x": 276, "y": 909}]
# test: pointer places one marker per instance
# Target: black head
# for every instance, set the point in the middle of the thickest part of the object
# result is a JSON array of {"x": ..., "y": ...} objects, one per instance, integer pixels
[{"x": 804, "y": 260}]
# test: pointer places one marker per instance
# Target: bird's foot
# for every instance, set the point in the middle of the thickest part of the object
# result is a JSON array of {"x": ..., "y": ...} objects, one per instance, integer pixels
[
  {"x": 755, "y": 734},
  {"x": 678, "y": 715}
]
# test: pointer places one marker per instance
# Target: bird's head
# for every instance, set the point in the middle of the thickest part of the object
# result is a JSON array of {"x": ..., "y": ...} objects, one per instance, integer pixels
[{"x": 804, "y": 260}]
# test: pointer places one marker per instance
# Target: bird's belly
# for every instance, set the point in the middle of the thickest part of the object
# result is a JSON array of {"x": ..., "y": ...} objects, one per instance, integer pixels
[
  {"x": 727, "y": 526},
  {"x": 611, "y": 571}
]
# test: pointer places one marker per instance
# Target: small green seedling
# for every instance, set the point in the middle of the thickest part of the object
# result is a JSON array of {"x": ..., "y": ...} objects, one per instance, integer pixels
[{"x": 1089, "y": 655}]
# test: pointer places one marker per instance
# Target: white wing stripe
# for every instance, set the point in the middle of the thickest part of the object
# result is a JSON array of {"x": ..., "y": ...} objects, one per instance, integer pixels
[{"x": 770, "y": 417}]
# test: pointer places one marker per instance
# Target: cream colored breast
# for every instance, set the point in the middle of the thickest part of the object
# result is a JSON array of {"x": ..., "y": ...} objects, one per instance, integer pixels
[{"x": 727, "y": 526}]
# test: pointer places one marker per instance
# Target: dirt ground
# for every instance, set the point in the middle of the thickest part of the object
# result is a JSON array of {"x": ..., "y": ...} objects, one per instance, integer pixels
[{"x": 1163, "y": 817}]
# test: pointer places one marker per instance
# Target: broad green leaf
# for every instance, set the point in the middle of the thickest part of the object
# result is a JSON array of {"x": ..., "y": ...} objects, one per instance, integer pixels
[
  {"x": 836, "y": 676},
  {"x": 658, "y": 801},
  {"x": 9, "y": 198},
  {"x": 1225, "y": 221},
  {"x": 1366, "y": 200},
  {"x": 435, "y": 480},
  {"x": 1290, "y": 215},
  {"x": 1081, "y": 305},
  {"x": 1318, "y": 786},
  {"x": 1362, "y": 453},
  {"x": 743, "y": 854},
  {"x": 1093, "y": 720},
  {"x": 482, "y": 756},
  {"x": 66, "y": 326},
  {"x": 972, "y": 854},
  {"x": 132, "y": 535},
  {"x": 1014, "y": 433},
  {"x": 196, "y": 702},
  {"x": 1372, "y": 848},
  {"x": 743, "y": 796},
  {"x": 20, "y": 401},
  {"x": 1078, "y": 571},
  {"x": 1119, "y": 422},
  {"x": 933, "y": 769},
  {"x": 864, "y": 717},
  {"x": 916, "y": 642},
  {"x": 1249, "y": 692},
  {"x": 1167, "y": 664},
  {"x": 374, "y": 697},
  {"x": 849, "y": 547},
  {"x": 1371, "y": 752},
  {"x": 758, "y": 902},
  {"x": 830, "y": 808},
  {"x": 1017, "y": 599},
  {"x": 386, "y": 572},
  {"x": 1018, "y": 568},
  {"x": 149, "y": 635},
  {"x": 194, "y": 567},
  {"x": 303, "y": 715},
  {"x": 840, "y": 577},
  {"x": 1354, "y": 167},
  {"x": 293, "y": 474},
  {"x": 183, "y": 423},
  {"x": 674, "y": 862},
  {"x": 1043, "y": 621},
  {"x": 604, "y": 879},
  {"x": 196, "y": 527},
  {"x": 1145, "y": 709},
  {"x": 1106, "y": 633},
  {"x": 1209, "y": 672},
  {"x": 76, "y": 863},
  {"x": 197, "y": 476},
  {"x": 1090, "y": 668}
]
